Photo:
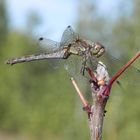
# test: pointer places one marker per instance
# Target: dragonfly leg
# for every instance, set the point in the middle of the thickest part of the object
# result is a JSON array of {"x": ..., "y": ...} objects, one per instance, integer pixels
[
  {"x": 84, "y": 66},
  {"x": 82, "y": 71}
]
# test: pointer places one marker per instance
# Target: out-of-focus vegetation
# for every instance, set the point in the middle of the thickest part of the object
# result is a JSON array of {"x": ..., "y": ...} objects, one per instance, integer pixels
[{"x": 39, "y": 102}]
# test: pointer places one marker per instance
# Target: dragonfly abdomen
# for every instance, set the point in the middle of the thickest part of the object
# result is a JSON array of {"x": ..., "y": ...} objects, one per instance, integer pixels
[{"x": 55, "y": 55}]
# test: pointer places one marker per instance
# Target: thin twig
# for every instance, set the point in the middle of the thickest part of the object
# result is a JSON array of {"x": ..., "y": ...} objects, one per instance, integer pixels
[
  {"x": 85, "y": 103},
  {"x": 114, "y": 78}
]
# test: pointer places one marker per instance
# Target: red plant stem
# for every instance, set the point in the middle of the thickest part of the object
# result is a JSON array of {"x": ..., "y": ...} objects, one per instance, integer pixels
[
  {"x": 124, "y": 68},
  {"x": 79, "y": 93}
]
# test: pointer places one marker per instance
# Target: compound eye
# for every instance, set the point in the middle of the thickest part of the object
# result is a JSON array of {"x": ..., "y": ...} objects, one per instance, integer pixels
[
  {"x": 101, "y": 52},
  {"x": 96, "y": 49}
]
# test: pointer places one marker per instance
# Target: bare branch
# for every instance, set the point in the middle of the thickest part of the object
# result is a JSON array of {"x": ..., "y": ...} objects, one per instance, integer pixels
[{"x": 85, "y": 103}]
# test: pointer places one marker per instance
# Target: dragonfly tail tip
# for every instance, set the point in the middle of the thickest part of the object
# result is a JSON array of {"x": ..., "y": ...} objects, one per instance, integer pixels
[{"x": 8, "y": 62}]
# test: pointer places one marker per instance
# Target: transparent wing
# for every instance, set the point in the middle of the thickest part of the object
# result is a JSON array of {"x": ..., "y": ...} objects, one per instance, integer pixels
[
  {"x": 48, "y": 44},
  {"x": 73, "y": 67},
  {"x": 130, "y": 77},
  {"x": 68, "y": 36}
]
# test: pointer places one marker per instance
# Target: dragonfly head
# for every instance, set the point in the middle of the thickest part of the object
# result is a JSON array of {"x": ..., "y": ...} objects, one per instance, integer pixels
[{"x": 98, "y": 49}]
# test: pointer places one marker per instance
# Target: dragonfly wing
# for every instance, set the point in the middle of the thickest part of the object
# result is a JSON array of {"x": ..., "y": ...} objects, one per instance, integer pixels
[
  {"x": 68, "y": 36},
  {"x": 48, "y": 44}
]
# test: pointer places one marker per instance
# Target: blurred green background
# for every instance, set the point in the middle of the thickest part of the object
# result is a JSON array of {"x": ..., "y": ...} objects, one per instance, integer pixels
[{"x": 38, "y": 102}]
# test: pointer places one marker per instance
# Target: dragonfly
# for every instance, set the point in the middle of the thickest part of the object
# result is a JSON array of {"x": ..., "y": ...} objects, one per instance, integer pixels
[{"x": 71, "y": 44}]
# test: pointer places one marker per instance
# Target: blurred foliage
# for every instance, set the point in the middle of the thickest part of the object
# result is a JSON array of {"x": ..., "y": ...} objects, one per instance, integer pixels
[
  {"x": 3, "y": 22},
  {"x": 39, "y": 102}
]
